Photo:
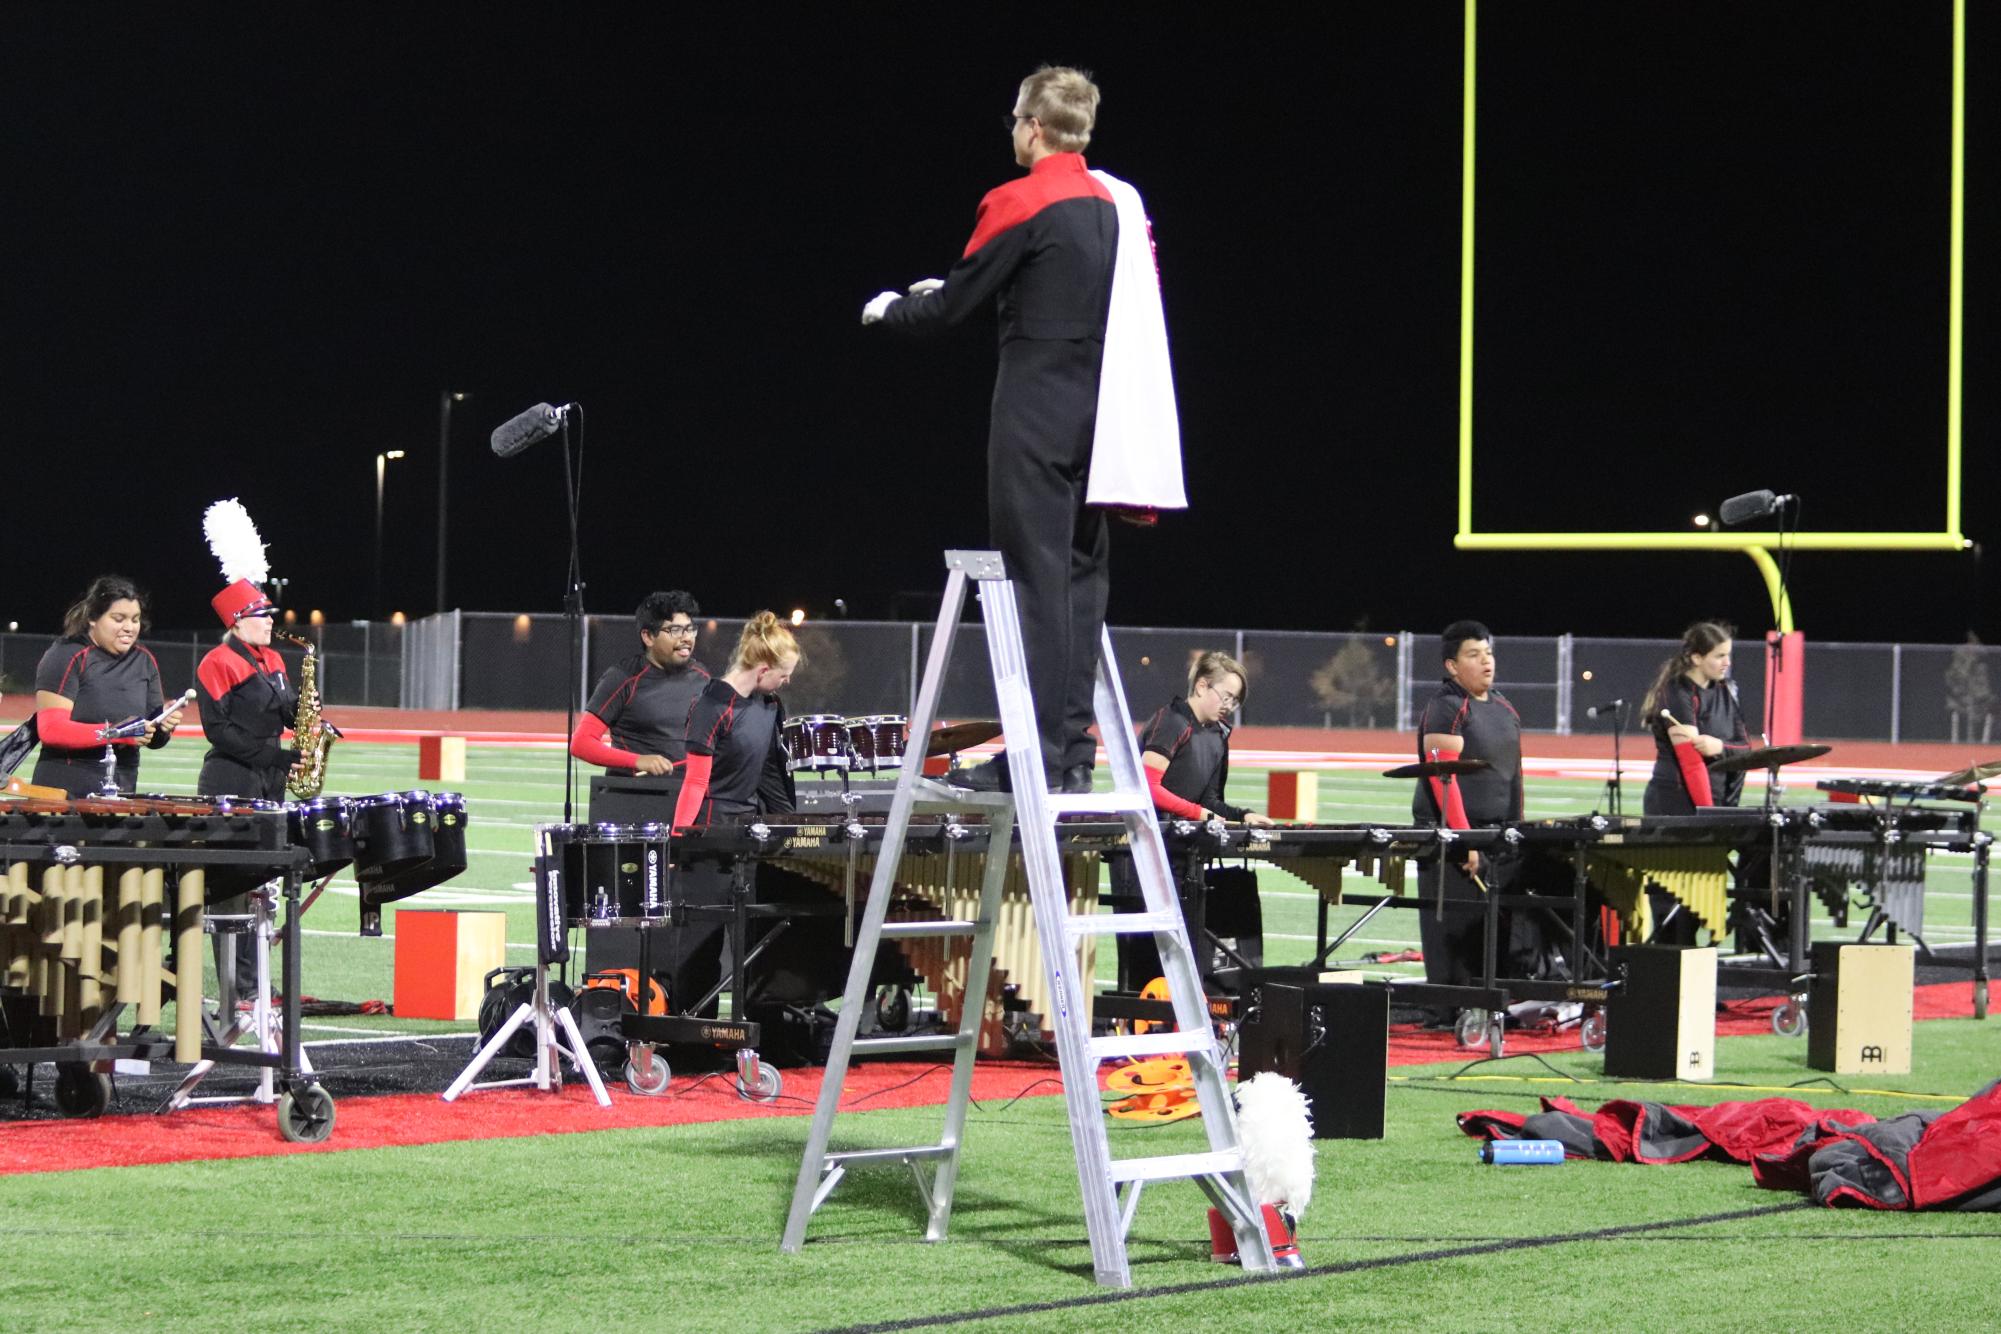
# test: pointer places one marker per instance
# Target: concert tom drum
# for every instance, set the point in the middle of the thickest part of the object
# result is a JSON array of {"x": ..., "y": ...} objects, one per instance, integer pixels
[
  {"x": 324, "y": 827},
  {"x": 878, "y": 740},
  {"x": 816, "y": 741},
  {"x": 612, "y": 871},
  {"x": 394, "y": 833}
]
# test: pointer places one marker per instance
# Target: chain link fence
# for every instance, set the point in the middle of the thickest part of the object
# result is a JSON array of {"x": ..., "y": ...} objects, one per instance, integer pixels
[{"x": 497, "y": 660}]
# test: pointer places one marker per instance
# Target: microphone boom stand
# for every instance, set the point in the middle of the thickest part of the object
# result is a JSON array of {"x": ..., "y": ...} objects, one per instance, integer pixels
[{"x": 550, "y": 1021}]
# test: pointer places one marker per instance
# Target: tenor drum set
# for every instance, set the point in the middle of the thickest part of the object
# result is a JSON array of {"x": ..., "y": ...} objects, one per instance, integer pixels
[{"x": 829, "y": 743}]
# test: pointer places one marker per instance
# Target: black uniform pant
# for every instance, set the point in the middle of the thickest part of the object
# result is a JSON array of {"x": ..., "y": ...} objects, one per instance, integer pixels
[
  {"x": 1057, "y": 548},
  {"x": 1454, "y": 944}
]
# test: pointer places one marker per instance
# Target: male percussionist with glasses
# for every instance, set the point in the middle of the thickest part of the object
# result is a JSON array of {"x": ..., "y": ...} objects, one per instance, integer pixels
[{"x": 637, "y": 719}]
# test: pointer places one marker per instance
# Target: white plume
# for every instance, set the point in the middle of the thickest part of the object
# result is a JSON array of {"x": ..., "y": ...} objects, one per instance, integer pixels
[
  {"x": 234, "y": 540},
  {"x": 1277, "y": 1132}
]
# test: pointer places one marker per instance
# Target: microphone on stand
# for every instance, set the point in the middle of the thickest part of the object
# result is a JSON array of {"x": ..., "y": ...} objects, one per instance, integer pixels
[
  {"x": 538, "y": 423},
  {"x": 1751, "y": 505},
  {"x": 1609, "y": 706}
]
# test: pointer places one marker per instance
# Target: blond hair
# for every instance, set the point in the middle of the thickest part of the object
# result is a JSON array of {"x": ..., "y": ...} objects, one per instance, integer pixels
[
  {"x": 1214, "y": 665},
  {"x": 1065, "y": 102},
  {"x": 766, "y": 641}
]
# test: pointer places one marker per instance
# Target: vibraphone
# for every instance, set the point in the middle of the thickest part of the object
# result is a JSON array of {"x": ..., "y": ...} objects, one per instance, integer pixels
[
  {"x": 103, "y": 900},
  {"x": 96, "y": 892}
]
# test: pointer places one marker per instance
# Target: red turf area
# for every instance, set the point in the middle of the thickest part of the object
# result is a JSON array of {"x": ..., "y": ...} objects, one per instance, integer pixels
[{"x": 422, "y": 1118}]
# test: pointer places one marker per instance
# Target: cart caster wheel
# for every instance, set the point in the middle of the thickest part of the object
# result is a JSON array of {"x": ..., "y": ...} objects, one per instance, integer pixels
[
  {"x": 1789, "y": 1019},
  {"x": 1471, "y": 1029},
  {"x": 650, "y": 1082},
  {"x": 305, "y": 1114},
  {"x": 1592, "y": 1031},
  {"x": 892, "y": 1008},
  {"x": 79, "y": 1091},
  {"x": 1497, "y": 1034},
  {"x": 766, "y": 1087}
]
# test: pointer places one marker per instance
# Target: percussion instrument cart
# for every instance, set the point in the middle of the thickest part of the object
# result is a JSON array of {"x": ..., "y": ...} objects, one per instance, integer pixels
[
  {"x": 83, "y": 1078},
  {"x": 1110, "y": 1187}
]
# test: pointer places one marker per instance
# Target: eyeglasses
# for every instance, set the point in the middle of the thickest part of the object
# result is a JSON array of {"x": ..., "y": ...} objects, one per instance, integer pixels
[
  {"x": 1223, "y": 697},
  {"x": 677, "y": 631},
  {"x": 1013, "y": 121}
]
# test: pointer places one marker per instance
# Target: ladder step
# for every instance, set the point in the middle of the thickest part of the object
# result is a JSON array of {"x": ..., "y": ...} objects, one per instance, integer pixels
[
  {"x": 1100, "y": 803},
  {"x": 919, "y": 1154},
  {"x": 928, "y": 1042},
  {"x": 907, "y": 930},
  {"x": 1200, "y": 1042},
  {"x": 1123, "y": 923},
  {"x": 1177, "y": 1165}
]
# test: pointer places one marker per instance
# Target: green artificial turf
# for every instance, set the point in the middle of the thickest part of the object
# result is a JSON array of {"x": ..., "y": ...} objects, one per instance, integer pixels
[{"x": 677, "y": 1228}]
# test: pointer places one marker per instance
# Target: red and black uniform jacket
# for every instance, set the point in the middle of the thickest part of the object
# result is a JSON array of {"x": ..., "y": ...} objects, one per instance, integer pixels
[
  {"x": 1198, "y": 763},
  {"x": 1713, "y": 711},
  {"x": 1045, "y": 245},
  {"x": 102, "y": 688},
  {"x": 246, "y": 705},
  {"x": 736, "y": 758},
  {"x": 1493, "y": 732},
  {"x": 639, "y": 708}
]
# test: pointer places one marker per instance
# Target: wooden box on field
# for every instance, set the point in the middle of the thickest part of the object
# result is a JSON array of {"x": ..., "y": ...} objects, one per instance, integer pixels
[
  {"x": 1859, "y": 1008},
  {"x": 1661, "y": 1024},
  {"x": 442, "y": 959}
]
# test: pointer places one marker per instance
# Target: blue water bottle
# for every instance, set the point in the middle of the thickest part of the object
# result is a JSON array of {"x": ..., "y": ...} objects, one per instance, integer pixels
[{"x": 1540, "y": 1152}]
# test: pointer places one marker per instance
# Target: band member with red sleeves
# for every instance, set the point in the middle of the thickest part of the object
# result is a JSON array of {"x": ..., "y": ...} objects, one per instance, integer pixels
[
  {"x": 1467, "y": 719},
  {"x": 1186, "y": 752},
  {"x": 1083, "y": 416},
  {"x": 637, "y": 719},
  {"x": 98, "y": 674},
  {"x": 246, "y": 702},
  {"x": 735, "y": 768},
  {"x": 1693, "y": 712}
]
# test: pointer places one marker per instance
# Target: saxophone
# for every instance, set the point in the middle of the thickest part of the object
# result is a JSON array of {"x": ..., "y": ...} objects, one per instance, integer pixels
[{"x": 315, "y": 734}]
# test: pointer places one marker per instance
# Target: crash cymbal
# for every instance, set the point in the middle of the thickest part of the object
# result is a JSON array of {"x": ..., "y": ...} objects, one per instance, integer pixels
[
  {"x": 1979, "y": 773},
  {"x": 1436, "y": 768},
  {"x": 1770, "y": 757},
  {"x": 960, "y": 736}
]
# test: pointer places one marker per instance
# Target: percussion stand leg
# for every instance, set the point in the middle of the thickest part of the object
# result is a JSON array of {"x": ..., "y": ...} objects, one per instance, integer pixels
[{"x": 548, "y": 1074}]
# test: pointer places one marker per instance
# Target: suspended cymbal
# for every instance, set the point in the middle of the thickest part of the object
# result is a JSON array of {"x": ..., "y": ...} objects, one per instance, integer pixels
[
  {"x": 1436, "y": 768},
  {"x": 960, "y": 736},
  {"x": 1770, "y": 757},
  {"x": 1979, "y": 773}
]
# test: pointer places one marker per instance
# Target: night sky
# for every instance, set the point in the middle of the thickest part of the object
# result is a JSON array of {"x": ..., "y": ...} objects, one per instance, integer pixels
[{"x": 248, "y": 248}]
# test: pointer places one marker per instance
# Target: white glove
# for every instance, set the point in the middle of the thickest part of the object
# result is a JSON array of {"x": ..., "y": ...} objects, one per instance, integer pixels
[
  {"x": 879, "y": 305},
  {"x": 926, "y": 286}
]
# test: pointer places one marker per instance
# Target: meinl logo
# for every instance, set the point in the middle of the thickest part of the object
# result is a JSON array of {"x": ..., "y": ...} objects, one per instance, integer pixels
[{"x": 1873, "y": 1053}]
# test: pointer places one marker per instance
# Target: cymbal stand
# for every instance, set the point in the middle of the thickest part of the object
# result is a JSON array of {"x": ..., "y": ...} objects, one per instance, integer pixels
[{"x": 1615, "y": 785}]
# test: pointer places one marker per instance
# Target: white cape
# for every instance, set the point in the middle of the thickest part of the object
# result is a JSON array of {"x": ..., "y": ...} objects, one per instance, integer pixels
[{"x": 1136, "y": 453}]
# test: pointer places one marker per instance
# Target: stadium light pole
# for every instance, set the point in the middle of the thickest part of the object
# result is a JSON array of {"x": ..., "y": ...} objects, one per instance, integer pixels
[
  {"x": 445, "y": 400},
  {"x": 381, "y": 474}
]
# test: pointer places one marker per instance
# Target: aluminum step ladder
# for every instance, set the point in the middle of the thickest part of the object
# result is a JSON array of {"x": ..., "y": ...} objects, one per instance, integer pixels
[{"x": 1111, "y": 1186}]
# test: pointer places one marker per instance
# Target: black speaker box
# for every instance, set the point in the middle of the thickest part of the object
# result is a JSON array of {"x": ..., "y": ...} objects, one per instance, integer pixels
[{"x": 1333, "y": 1040}]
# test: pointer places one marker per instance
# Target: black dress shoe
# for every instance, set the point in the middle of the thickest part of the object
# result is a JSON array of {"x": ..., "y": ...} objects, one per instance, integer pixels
[
  {"x": 1076, "y": 780},
  {"x": 989, "y": 777}
]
